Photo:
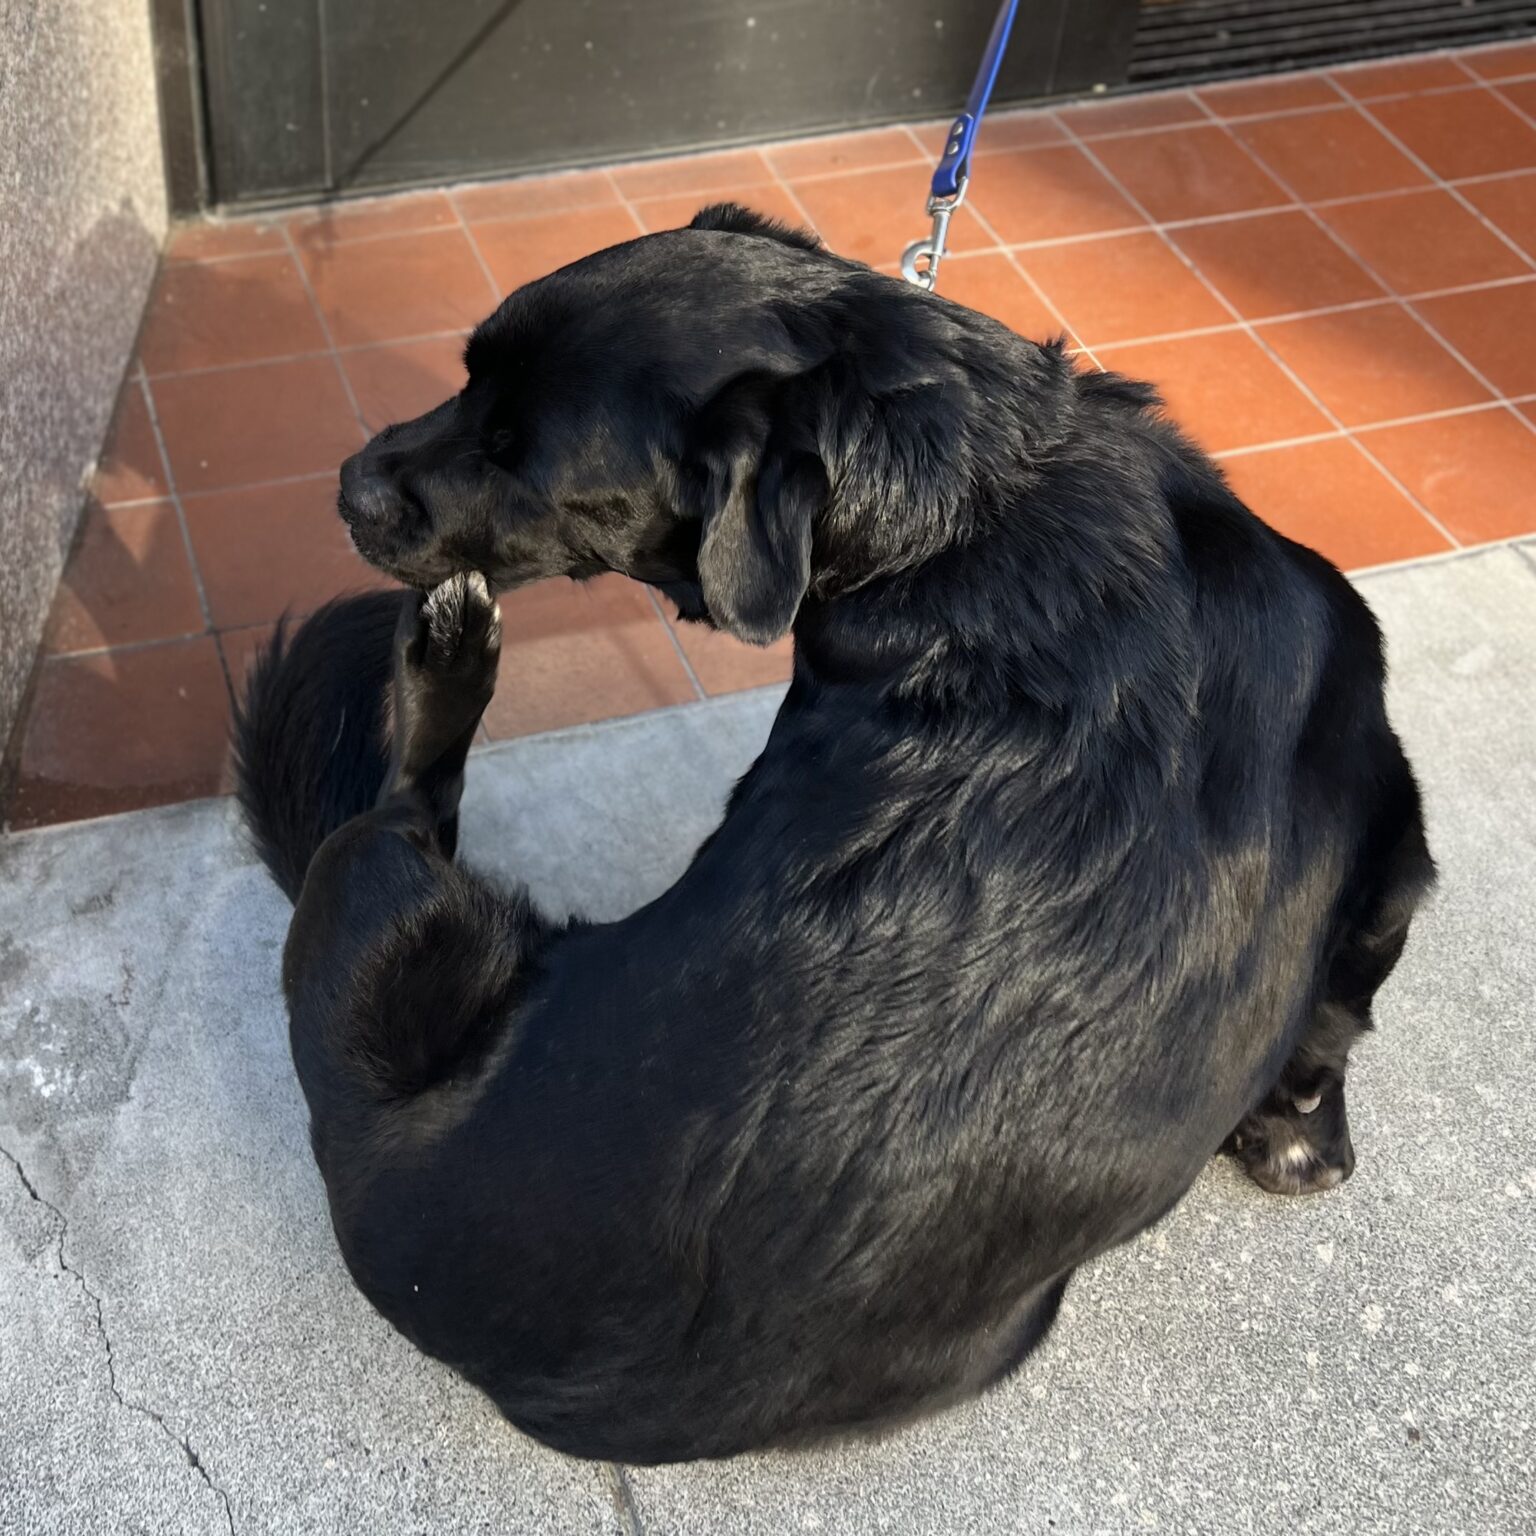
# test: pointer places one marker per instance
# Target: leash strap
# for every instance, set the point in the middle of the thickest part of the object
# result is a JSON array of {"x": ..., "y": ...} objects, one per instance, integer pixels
[{"x": 920, "y": 261}]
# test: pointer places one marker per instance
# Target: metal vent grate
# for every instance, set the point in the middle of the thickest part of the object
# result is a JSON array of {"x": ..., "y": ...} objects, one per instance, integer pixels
[{"x": 1178, "y": 40}]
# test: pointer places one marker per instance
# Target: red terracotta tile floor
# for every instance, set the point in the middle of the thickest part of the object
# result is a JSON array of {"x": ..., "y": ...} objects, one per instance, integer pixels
[{"x": 1332, "y": 276}]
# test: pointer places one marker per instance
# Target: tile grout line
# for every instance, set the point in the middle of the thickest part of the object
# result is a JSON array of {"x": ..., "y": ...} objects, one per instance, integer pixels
[
  {"x": 122, "y": 647},
  {"x": 298, "y": 357},
  {"x": 1067, "y": 331},
  {"x": 628, "y": 205},
  {"x": 173, "y": 494},
  {"x": 262, "y": 485},
  {"x": 1321, "y": 75},
  {"x": 127, "y": 503},
  {"x": 1451, "y": 56},
  {"x": 325, "y": 330},
  {"x": 1325, "y": 73},
  {"x": 919, "y": 156},
  {"x": 1306, "y": 440},
  {"x": 1483, "y": 178},
  {"x": 1477, "y": 408},
  {"x": 1290, "y": 317},
  {"x": 1207, "y": 220},
  {"x": 1493, "y": 45},
  {"x": 1259, "y": 341},
  {"x": 1513, "y": 541},
  {"x": 1040, "y": 293},
  {"x": 332, "y": 244},
  {"x": 795, "y": 198},
  {"x": 677, "y": 645},
  {"x": 479, "y": 255},
  {"x": 1500, "y": 89}
]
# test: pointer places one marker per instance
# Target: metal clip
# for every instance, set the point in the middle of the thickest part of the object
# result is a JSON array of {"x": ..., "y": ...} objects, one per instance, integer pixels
[{"x": 941, "y": 210}]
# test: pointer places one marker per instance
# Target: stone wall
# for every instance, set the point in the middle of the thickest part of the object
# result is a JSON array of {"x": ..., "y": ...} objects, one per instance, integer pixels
[{"x": 82, "y": 216}]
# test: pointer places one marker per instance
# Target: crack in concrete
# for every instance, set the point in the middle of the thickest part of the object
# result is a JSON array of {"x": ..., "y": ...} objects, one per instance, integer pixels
[
  {"x": 182, "y": 1442},
  {"x": 623, "y": 1496}
]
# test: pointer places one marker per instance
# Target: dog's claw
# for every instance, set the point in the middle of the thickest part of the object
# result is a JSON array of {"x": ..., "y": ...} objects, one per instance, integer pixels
[{"x": 1307, "y": 1105}]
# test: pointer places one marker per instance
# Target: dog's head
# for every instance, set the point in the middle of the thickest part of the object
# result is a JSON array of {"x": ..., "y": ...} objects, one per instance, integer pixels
[{"x": 725, "y": 411}]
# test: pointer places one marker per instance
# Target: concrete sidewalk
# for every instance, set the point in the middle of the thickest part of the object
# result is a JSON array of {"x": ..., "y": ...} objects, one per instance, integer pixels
[{"x": 181, "y": 1350}]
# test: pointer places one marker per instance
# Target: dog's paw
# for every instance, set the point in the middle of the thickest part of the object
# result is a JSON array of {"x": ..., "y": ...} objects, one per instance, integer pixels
[
  {"x": 1297, "y": 1145},
  {"x": 1292, "y": 1165},
  {"x": 454, "y": 630},
  {"x": 447, "y": 648}
]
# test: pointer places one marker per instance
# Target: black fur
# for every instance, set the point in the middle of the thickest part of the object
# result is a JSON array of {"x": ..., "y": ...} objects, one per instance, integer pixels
[
  {"x": 310, "y": 751},
  {"x": 1080, "y": 847}
]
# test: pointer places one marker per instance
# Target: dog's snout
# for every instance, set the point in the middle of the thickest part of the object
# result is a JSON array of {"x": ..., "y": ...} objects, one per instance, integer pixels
[{"x": 369, "y": 495}]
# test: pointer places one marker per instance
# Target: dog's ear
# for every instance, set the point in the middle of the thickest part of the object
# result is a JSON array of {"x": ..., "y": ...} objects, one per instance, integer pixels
[
  {"x": 737, "y": 220},
  {"x": 752, "y": 475}
]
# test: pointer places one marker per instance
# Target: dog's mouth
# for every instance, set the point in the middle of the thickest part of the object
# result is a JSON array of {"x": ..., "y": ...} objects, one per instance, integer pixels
[
  {"x": 389, "y": 549},
  {"x": 405, "y": 557}
]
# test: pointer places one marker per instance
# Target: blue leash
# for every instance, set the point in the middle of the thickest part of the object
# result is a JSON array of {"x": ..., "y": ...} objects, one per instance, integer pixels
[{"x": 952, "y": 175}]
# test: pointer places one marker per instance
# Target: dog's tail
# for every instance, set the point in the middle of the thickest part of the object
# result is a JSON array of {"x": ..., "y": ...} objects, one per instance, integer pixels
[{"x": 311, "y": 738}]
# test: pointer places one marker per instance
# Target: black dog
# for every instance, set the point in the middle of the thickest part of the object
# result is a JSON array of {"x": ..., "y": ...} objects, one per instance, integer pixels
[{"x": 1079, "y": 847}]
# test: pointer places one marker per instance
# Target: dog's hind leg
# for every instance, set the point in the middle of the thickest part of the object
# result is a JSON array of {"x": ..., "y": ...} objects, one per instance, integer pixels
[
  {"x": 1297, "y": 1141},
  {"x": 1029, "y": 1330}
]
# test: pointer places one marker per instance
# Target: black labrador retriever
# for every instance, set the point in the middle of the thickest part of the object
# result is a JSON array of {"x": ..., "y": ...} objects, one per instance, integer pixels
[{"x": 1077, "y": 851}]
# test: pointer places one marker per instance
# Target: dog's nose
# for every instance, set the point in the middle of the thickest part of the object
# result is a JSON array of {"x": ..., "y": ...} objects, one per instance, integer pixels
[{"x": 370, "y": 496}]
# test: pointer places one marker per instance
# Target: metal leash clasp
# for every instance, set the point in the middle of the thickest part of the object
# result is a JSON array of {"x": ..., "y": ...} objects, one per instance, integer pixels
[{"x": 930, "y": 250}]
